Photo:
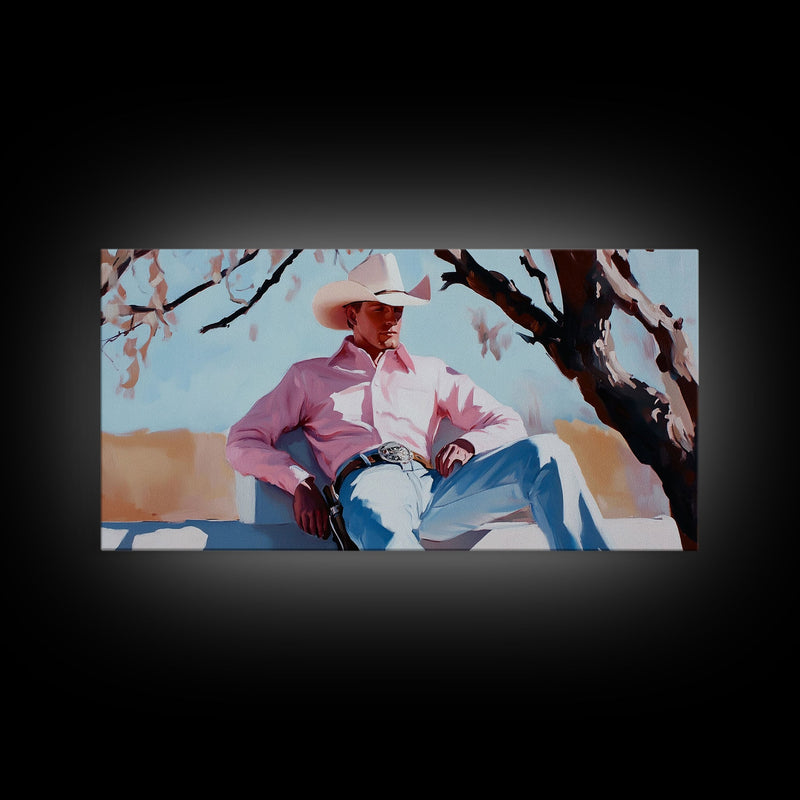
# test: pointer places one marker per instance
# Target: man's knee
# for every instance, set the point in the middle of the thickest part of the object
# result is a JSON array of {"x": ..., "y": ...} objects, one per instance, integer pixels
[{"x": 548, "y": 448}]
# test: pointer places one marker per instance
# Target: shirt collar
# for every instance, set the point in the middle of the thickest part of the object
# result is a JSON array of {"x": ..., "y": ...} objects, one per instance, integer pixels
[
  {"x": 404, "y": 357},
  {"x": 349, "y": 350}
]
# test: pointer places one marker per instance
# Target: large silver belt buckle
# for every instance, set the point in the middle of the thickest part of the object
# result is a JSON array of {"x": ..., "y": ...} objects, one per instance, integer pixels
[{"x": 394, "y": 453}]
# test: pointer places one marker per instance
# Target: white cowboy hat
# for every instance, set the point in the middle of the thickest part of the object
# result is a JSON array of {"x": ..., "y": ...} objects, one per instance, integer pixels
[{"x": 377, "y": 279}]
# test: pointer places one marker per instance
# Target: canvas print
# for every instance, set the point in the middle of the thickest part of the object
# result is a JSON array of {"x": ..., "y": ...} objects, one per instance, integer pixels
[{"x": 399, "y": 399}]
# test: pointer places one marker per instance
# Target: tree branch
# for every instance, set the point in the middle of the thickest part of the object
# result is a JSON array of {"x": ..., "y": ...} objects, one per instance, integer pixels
[
  {"x": 208, "y": 284},
  {"x": 261, "y": 291},
  {"x": 675, "y": 358},
  {"x": 527, "y": 261},
  {"x": 120, "y": 265},
  {"x": 502, "y": 292},
  {"x": 134, "y": 309},
  {"x": 123, "y": 332}
]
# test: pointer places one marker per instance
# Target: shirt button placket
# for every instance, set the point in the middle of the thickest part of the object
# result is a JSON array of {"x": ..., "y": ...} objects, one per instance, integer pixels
[{"x": 375, "y": 389}]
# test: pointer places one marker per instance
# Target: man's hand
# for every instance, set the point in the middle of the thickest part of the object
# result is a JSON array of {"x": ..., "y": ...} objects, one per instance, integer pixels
[
  {"x": 458, "y": 451},
  {"x": 310, "y": 509}
]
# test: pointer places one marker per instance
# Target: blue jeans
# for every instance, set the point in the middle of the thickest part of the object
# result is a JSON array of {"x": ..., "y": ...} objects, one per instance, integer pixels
[{"x": 392, "y": 507}]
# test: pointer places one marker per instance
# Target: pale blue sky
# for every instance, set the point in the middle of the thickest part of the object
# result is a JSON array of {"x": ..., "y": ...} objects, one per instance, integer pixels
[{"x": 205, "y": 382}]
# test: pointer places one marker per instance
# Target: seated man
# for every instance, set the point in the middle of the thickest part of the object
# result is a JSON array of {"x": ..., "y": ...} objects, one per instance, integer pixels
[{"x": 370, "y": 413}]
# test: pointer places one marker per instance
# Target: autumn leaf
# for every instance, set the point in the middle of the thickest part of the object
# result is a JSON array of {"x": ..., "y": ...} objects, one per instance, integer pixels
[
  {"x": 112, "y": 266},
  {"x": 488, "y": 337},
  {"x": 293, "y": 289},
  {"x": 216, "y": 267},
  {"x": 132, "y": 368},
  {"x": 158, "y": 280},
  {"x": 276, "y": 256}
]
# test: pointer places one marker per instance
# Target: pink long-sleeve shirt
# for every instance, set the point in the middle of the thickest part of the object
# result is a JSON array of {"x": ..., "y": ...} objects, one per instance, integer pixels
[{"x": 347, "y": 405}]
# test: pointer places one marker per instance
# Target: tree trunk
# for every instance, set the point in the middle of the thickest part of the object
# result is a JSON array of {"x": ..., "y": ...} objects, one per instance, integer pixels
[{"x": 659, "y": 427}]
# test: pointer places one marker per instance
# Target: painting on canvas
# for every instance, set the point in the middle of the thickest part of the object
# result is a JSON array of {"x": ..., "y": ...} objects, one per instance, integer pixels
[{"x": 354, "y": 399}]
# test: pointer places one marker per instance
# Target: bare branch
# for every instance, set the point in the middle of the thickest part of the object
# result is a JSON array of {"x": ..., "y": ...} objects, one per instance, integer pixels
[
  {"x": 131, "y": 327},
  {"x": 271, "y": 281},
  {"x": 527, "y": 261},
  {"x": 496, "y": 287}
]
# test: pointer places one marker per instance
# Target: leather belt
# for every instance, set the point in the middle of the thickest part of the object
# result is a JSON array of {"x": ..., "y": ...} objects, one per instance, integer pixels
[{"x": 387, "y": 453}]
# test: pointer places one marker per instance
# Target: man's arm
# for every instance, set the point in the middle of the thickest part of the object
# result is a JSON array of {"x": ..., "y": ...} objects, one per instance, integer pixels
[
  {"x": 251, "y": 449},
  {"x": 487, "y": 423}
]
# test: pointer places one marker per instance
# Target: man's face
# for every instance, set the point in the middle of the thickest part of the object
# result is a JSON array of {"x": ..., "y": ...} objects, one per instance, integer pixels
[{"x": 377, "y": 326}]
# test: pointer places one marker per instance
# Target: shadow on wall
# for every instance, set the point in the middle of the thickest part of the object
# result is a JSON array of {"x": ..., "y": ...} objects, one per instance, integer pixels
[{"x": 178, "y": 475}]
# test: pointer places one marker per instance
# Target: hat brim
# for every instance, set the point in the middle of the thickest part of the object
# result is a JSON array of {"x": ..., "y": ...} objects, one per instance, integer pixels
[{"x": 329, "y": 302}]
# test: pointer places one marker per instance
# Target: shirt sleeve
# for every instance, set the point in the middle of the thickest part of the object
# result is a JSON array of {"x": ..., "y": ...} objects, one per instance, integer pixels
[
  {"x": 487, "y": 422},
  {"x": 251, "y": 442}
]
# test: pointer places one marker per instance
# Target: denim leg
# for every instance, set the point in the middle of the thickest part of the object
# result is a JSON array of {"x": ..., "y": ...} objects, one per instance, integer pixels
[
  {"x": 541, "y": 472},
  {"x": 381, "y": 506}
]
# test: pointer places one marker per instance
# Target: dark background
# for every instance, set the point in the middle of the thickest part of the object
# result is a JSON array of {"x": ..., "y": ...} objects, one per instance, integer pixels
[{"x": 682, "y": 162}]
